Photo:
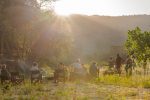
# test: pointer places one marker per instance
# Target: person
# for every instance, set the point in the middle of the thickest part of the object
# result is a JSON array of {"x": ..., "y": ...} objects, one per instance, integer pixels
[
  {"x": 35, "y": 73},
  {"x": 129, "y": 66},
  {"x": 118, "y": 64},
  {"x": 77, "y": 66},
  {"x": 66, "y": 73},
  {"x": 111, "y": 63},
  {"x": 93, "y": 69},
  {"x": 34, "y": 67},
  {"x": 59, "y": 72},
  {"x": 5, "y": 75},
  {"x": 77, "y": 69}
]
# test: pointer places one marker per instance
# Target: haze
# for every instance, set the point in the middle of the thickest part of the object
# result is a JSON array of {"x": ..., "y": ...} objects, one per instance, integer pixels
[{"x": 102, "y": 7}]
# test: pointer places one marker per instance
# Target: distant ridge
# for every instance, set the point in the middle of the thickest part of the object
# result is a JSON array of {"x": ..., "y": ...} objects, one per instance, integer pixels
[{"x": 93, "y": 34}]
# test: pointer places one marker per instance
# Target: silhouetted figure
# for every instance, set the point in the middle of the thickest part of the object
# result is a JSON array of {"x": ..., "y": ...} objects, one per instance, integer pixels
[
  {"x": 93, "y": 70},
  {"x": 129, "y": 66},
  {"x": 118, "y": 64},
  {"x": 5, "y": 75}
]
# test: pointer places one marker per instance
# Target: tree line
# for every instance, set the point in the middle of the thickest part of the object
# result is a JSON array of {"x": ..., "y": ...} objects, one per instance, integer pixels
[
  {"x": 138, "y": 45},
  {"x": 25, "y": 32}
]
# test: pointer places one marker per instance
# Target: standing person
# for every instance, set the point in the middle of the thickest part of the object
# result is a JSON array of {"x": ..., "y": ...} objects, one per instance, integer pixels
[
  {"x": 93, "y": 70},
  {"x": 5, "y": 75},
  {"x": 129, "y": 66},
  {"x": 118, "y": 64}
]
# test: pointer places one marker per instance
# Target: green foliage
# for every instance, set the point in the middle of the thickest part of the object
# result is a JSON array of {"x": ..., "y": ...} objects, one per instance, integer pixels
[
  {"x": 27, "y": 34},
  {"x": 138, "y": 44}
]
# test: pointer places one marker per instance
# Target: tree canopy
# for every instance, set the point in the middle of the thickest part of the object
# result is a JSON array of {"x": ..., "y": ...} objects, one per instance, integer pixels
[
  {"x": 138, "y": 44},
  {"x": 26, "y": 34}
]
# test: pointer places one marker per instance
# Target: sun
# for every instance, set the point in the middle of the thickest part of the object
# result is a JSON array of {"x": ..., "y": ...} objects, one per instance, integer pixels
[
  {"x": 62, "y": 8},
  {"x": 62, "y": 12}
]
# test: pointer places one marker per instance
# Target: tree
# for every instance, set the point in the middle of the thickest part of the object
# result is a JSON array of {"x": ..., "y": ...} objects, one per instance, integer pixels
[
  {"x": 14, "y": 19},
  {"x": 138, "y": 44},
  {"x": 26, "y": 33}
]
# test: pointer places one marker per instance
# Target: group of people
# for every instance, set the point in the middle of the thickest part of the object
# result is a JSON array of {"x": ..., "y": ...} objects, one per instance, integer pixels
[
  {"x": 63, "y": 72},
  {"x": 77, "y": 70},
  {"x": 117, "y": 64},
  {"x": 6, "y": 76}
]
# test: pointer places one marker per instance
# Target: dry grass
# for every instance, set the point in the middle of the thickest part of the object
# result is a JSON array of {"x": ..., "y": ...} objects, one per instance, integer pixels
[{"x": 105, "y": 88}]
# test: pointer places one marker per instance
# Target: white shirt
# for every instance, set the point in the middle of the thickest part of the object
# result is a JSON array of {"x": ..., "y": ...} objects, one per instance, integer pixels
[{"x": 34, "y": 68}]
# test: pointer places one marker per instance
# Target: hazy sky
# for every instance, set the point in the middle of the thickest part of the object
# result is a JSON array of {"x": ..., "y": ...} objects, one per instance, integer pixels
[{"x": 102, "y": 7}]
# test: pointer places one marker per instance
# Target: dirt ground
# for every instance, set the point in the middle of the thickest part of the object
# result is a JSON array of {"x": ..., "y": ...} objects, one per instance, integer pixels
[
  {"x": 79, "y": 90},
  {"x": 89, "y": 91}
]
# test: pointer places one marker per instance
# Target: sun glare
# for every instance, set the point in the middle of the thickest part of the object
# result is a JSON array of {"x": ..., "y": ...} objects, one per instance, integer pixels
[
  {"x": 62, "y": 12},
  {"x": 101, "y": 7},
  {"x": 62, "y": 8}
]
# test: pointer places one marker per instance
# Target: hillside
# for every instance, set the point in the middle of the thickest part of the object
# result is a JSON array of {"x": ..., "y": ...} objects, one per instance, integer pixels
[{"x": 97, "y": 34}]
